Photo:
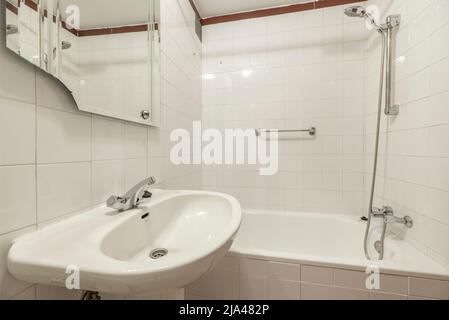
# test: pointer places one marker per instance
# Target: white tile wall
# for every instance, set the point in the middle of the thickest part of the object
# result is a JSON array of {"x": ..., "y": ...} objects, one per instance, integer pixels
[
  {"x": 294, "y": 70},
  {"x": 252, "y": 279},
  {"x": 108, "y": 139},
  {"x": 291, "y": 71},
  {"x": 18, "y": 195},
  {"x": 17, "y": 127},
  {"x": 62, "y": 136},
  {"x": 55, "y": 160},
  {"x": 414, "y": 168},
  {"x": 62, "y": 189}
]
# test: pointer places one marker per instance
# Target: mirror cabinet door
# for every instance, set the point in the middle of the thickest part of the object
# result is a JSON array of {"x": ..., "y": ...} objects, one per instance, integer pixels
[
  {"x": 22, "y": 29},
  {"x": 106, "y": 52},
  {"x": 156, "y": 76},
  {"x": 49, "y": 36}
]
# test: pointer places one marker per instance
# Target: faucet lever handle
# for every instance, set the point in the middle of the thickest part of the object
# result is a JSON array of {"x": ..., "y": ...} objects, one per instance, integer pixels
[
  {"x": 147, "y": 194},
  {"x": 388, "y": 211},
  {"x": 133, "y": 197},
  {"x": 116, "y": 202}
]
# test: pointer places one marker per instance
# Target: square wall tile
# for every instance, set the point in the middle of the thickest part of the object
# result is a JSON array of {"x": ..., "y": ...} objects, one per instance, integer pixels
[
  {"x": 332, "y": 16},
  {"x": 438, "y": 238},
  {"x": 439, "y": 77},
  {"x": 350, "y": 279},
  {"x": 317, "y": 275},
  {"x": 394, "y": 284},
  {"x": 427, "y": 288},
  {"x": 18, "y": 198},
  {"x": 62, "y": 136},
  {"x": 317, "y": 292},
  {"x": 285, "y": 271},
  {"x": 229, "y": 263},
  {"x": 17, "y": 79},
  {"x": 62, "y": 189},
  {"x": 155, "y": 142},
  {"x": 253, "y": 267},
  {"x": 135, "y": 171},
  {"x": 108, "y": 139},
  {"x": 254, "y": 288},
  {"x": 136, "y": 141},
  {"x": 313, "y": 19},
  {"x": 17, "y": 132},
  {"x": 108, "y": 178},
  {"x": 284, "y": 290},
  {"x": 226, "y": 285}
]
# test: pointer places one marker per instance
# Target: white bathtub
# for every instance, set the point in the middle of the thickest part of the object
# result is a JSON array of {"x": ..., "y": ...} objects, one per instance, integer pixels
[{"x": 325, "y": 240}]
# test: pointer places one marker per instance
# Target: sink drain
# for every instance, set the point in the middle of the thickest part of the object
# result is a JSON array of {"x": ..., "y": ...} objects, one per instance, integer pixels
[{"x": 158, "y": 253}]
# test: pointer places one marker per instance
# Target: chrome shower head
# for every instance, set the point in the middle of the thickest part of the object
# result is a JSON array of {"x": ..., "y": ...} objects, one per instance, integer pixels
[
  {"x": 361, "y": 12},
  {"x": 356, "y": 11}
]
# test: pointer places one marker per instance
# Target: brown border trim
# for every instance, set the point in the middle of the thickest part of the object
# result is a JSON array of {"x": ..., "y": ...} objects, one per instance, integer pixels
[
  {"x": 72, "y": 31},
  {"x": 129, "y": 29},
  {"x": 12, "y": 8},
  {"x": 31, "y": 4},
  {"x": 276, "y": 11},
  {"x": 115, "y": 30},
  {"x": 333, "y": 3},
  {"x": 258, "y": 13}
]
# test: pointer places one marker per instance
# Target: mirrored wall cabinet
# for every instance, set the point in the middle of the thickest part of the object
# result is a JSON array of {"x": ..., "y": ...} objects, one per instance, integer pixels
[{"x": 106, "y": 52}]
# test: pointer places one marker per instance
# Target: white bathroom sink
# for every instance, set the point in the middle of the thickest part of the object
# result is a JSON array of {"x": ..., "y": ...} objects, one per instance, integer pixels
[{"x": 113, "y": 250}]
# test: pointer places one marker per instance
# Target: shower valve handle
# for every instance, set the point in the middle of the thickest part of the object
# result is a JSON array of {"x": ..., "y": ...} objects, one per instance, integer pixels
[
  {"x": 382, "y": 213},
  {"x": 387, "y": 214}
]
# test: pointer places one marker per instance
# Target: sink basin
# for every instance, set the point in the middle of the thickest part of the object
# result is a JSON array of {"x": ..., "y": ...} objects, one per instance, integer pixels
[{"x": 167, "y": 243}]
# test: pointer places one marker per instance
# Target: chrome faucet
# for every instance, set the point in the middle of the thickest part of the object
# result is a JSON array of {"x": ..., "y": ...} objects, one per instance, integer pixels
[
  {"x": 133, "y": 197},
  {"x": 387, "y": 214},
  {"x": 388, "y": 217}
]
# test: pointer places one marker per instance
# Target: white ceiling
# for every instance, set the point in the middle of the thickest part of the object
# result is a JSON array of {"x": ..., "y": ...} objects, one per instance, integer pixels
[
  {"x": 103, "y": 13},
  {"x": 212, "y": 8},
  {"x": 109, "y": 13}
]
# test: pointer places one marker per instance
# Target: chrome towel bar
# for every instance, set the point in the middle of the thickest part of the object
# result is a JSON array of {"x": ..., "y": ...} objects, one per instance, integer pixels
[{"x": 311, "y": 131}]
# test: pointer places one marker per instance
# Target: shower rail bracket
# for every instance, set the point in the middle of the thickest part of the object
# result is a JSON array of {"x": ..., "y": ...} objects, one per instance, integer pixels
[
  {"x": 393, "y": 110},
  {"x": 394, "y": 21}
]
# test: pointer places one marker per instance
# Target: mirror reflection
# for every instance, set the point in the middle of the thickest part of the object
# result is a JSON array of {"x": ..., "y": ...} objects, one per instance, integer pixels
[
  {"x": 108, "y": 59},
  {"x": 22, "y": 29}
]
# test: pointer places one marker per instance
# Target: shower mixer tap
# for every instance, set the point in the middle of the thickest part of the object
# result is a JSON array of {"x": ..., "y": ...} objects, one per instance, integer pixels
[{"x": 387, "y": 214}]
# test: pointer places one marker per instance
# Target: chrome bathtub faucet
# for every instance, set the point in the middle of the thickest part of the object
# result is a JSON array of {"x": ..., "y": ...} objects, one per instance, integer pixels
[
  {"x": 387, "y": 214},
  {"x": 133, "y": 197}
]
